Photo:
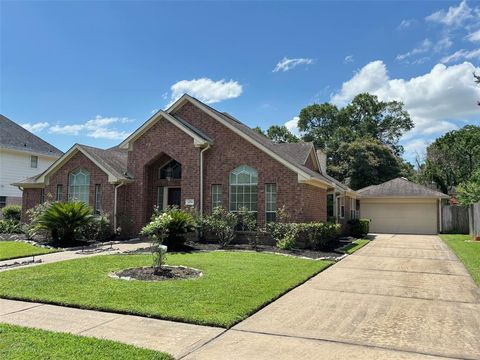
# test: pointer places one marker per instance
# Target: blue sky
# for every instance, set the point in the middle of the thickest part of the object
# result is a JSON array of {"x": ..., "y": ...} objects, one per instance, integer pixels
[{"x": 92, "y": 72}]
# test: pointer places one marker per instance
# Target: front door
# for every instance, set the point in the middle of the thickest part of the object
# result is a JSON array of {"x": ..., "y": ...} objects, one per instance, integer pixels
[{"x": 174, "y": 197}]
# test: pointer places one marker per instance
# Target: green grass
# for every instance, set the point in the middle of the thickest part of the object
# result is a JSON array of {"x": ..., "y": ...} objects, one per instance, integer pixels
[
  {"x": 468, "y": 251},
  {"x": 355, "y": 245},
  {"x": 20, "y": 343},
  {"x": 16, "y": 249},
  {"x": 233, "y": 285}
]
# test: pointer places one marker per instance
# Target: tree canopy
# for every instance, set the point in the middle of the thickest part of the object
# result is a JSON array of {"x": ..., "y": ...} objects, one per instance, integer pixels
[{"x": 278, "y": 134}]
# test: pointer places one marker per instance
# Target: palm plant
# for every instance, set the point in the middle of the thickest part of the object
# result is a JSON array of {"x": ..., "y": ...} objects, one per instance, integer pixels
[{"x": 63, "y": 220}]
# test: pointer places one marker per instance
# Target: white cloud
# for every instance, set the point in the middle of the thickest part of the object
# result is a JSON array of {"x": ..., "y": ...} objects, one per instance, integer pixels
[
  {"x": 97, "y": 128},
  {"x": 36, "y": 127},
  {"x": 462, "y": 55},
  {"x": 415, "y": 147},
  {"x": 433, "y": 99},
  {"x": 206, "y": 90},
  {"x": 292, "y": 125},
  {"x": 288, "y": 64},
  {"x": 348, "y": 59},
  {"x": 424, "y": 46},
  {"x": 454, "y": 16},
  {"x": 405, "y": 24},
  {"x": 474, "y": 36}
]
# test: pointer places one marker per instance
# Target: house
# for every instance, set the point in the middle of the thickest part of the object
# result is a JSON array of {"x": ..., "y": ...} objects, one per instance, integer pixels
[
  {"x": 22, "y": 154},
  {"x": 401, "y": 206},
  {"x": 191, "y": 155}
]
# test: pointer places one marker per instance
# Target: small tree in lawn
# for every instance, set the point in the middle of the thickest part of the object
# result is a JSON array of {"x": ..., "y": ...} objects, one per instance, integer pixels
[
  {"x": 222, "y": 223},
  {"x": 157, "y": 231}
]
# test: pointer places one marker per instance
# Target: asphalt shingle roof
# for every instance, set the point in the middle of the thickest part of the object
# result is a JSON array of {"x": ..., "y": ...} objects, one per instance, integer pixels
[
  {"x": 400, "y": 187},
  {"x": 15, "y": 137},
  {"x": 113, "y": 159}
]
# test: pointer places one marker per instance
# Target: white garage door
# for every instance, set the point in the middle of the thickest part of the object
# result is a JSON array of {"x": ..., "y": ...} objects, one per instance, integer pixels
[{"x": 402, "y": 217}]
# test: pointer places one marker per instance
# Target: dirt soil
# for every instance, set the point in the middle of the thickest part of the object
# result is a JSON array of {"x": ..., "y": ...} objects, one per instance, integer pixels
[{"x": 165, "y": 273}]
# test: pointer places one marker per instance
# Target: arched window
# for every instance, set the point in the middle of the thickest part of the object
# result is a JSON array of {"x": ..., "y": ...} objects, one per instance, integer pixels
[
  {"x": 79, "y": 186},
  {"x": 243, "y": 188},
  {"x": 171, "y": 170}
]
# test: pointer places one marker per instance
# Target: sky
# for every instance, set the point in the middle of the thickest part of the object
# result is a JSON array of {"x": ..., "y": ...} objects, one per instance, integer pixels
[{"x": 92, "y": 72}]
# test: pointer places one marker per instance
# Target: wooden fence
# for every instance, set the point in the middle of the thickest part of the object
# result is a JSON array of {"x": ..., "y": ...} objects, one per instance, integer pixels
[
  {"x": 455, "y": 219},
  {"x": 474, "y": 220}
]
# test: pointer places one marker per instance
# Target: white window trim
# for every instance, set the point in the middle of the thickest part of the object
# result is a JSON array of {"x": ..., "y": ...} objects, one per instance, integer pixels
[
  {"x": 266, "y": 200},
  {"x": 230, "y": 185},
  {"x": 220, "y": 187},
  {"x": 32, "y": 157}
]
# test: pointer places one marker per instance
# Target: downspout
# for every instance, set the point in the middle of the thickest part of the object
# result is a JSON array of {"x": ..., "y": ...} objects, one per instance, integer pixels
[
  {"x": 115, "y": 206},
  {"x": 201, "y": 178}
]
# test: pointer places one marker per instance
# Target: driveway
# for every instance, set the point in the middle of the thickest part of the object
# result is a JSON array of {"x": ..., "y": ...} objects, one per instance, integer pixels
[{"x": 400, "y": 297}]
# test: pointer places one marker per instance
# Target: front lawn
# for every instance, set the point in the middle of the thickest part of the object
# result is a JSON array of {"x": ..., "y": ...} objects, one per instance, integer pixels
[
  {"x": 233, "y": 285},
  {"x": 355, "y": 245},
  {"x": 16, "y": 249},
  {"x": 20, "y": 343},
  {"x": 467, "y": 250}
]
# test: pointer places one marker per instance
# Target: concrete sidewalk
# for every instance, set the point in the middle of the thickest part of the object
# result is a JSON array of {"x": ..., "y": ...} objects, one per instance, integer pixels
[
  {"x": 76, "y": 254},
  {"x": 400, "y": 297},
  {"x": 177, "y": 339}
]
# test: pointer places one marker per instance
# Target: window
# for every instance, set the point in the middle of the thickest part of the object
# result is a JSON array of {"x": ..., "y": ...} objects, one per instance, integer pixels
[
  {"x": 59, "y": 193},
  {"x": 353, "y": 205},
  {"x": 42, "y": 196},
  {"x": 171, "y": 170},
  {"x": 33, "y": 161},
  {"x": 216, "y": 196},
  {"x": 341, "y": 207},
  {"x": 3, "y": 201},
  {"x": 98, "y": 198},
  {"x": 79, "y": 182},
  {"x": 243, "y": 188},
  {"x": 160, "y": 197},
  {"x": 270, "y": 202}
]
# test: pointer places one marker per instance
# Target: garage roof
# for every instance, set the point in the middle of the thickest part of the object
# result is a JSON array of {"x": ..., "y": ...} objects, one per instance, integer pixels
[{"x": 399, "y": 187}]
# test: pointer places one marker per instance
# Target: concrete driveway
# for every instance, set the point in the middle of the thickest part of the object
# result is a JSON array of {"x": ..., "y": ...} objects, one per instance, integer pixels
[{"x": 400, "y": 297}]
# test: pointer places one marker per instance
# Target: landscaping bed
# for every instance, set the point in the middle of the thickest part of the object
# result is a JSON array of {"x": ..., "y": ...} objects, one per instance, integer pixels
[
  {"x": 467, "y": 250},
  {"x": 26, "y": 343},
  {"x": 148, "y": 273},
  {"x": 233, "y": 286},
  {"x": 17, "y": 249}
]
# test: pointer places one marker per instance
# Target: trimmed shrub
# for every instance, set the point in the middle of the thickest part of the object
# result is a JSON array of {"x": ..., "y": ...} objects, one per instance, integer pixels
[
  {"x": 12, "y": 212},
  {"x": 98, "y": 229},
  {"x": 221, "y": 223},
  {"x": 358, "y": 227},
  {"x": 169, "y": 227},
  {"x": 289, "y": 239},
  {"x": 318, "y": 235},
  {"x": 10, "y": 227}
]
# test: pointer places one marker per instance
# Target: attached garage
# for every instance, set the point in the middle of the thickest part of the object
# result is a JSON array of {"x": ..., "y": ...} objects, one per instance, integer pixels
[{"x": 401, "y": 206}]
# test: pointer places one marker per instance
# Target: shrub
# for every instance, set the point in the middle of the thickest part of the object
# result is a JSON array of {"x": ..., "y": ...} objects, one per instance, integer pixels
[
  {"x": 289, "y": 239},
  {"x": 359, "y": 227},
  {"x": 10, "y": 227},
  {"x": 222, "y": 223},
  {"x": 98, "y": 229},
  {"x": 169, "y": 226},
  {"x": 34, "y": 214},
  {"x": 12, "y": 212},
  {"x": 64, "y": 220},
  {"x": 248, "y": 222},
  {"x": 318, "y": 235}
]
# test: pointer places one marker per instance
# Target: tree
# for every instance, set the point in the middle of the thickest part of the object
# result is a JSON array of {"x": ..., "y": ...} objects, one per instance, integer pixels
[
  {"x": 365, "y": 119},
  {"x": 278, "y": 134},
  {"x": 367, "y": 162},
  {"x": 469, "y": 191},
  {"x": 453, "y": 158}
]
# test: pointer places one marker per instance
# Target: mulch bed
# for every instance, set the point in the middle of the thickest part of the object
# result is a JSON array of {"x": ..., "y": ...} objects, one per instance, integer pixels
[{"x": 166, "y": 273}]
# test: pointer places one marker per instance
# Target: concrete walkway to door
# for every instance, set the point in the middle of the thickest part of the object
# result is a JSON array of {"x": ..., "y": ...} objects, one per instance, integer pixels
[{"x": 400, "y": 297}]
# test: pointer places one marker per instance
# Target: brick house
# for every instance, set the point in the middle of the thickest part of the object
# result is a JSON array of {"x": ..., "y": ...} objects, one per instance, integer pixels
[{"x": 190, "y": 155}]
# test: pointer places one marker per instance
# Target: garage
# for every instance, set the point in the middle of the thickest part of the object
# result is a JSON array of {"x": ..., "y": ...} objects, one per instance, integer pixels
[{"x": 400, "y": 206}]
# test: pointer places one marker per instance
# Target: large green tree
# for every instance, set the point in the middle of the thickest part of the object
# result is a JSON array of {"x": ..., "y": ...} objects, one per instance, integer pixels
[
  {"x": 278, "y": 134},
  {"x": 469, "y": 191},
  {"x": 368, "y": 123},
  {"x": 453, "y": 158}
]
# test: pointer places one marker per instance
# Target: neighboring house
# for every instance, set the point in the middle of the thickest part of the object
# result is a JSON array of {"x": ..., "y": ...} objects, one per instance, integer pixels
[
  {"x": 401, "y": 206},
  {"x": 190, "y": 155},
  {"x": 22, "y": 154}
]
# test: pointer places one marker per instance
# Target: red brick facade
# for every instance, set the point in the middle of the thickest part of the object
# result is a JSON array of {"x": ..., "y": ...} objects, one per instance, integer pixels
[{"x": 164, "y": 141}]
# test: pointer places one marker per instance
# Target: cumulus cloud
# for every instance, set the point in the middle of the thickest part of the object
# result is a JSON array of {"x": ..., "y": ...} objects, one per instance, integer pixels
[
  {"x": 36, "y": 127},
  {"x": 206, "y": 90},
  {"x": 98, "y": 128},
  {"x": 405, "y": 24},
  {"x": 287, "y": 64},
  {"x": 424, "y": 46},
  {"x": 454, "y": 16},
  {"x": 348, "y": 59},
  {"x": 415, "y": 147},
  {"x": 474, "y": 36},
  {"x": 462, "y": 55},
  {"x": 292, "y": 125},
  {"x": 435, "y": 100}
]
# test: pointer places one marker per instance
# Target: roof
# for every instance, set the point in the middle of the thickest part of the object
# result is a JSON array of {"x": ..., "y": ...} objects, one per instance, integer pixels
[
  {"x": 298, "y": 151},
  {"x": 15, "y": 137},
  {"x": 399, "y": 187}
]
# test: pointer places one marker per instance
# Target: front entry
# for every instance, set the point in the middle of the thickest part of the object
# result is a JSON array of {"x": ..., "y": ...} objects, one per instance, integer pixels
[{"x": 174, "y": 197}]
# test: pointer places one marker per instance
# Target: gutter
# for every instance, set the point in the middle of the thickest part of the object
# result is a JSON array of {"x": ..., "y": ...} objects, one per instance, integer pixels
[{"x": 201, "y": 178}]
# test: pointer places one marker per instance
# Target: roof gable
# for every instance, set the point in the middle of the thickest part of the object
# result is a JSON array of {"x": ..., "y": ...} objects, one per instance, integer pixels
[
  {"x": 15, "y": 137},
  {"x": 399, "y": 187}
]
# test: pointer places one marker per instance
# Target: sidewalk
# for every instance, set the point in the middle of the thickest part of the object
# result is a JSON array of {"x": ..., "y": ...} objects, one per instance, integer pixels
[
  {"x": 177, "y": 339},
  {"x": 75, "y": 254}
]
